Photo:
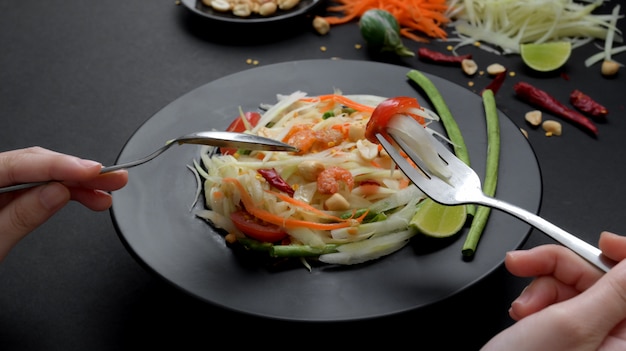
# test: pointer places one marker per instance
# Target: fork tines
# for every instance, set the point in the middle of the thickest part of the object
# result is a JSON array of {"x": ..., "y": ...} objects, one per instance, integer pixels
[{"x": 420, "y": 176}]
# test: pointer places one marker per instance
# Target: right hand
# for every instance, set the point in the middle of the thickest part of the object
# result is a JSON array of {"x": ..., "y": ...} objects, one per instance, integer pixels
[
  {"x": 570, "y": 305},
  {"x": 74, "y": 179}
]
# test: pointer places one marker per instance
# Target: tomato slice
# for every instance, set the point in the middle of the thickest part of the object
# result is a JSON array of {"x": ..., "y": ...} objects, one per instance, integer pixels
[
  {"x": 239, "y": 126},
  {"x": 257, "y": 229},
  {"x": 385, "y": 111}
]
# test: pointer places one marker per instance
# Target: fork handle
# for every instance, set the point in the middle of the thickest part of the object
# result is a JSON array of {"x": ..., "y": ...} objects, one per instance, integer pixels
[{"x": 579, "y": 246}]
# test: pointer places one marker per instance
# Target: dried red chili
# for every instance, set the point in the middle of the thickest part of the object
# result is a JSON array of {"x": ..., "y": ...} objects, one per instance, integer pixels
[
  {"x": 496, "y": 83},
  {"x": 275, "y": 180},
  {"x": 547, "y": 102},
  {"x": 439, "y": 57},
  {"x": 587, "y": 105}
]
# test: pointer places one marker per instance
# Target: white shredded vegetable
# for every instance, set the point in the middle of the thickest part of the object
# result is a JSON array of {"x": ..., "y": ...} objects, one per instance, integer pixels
[
  {"x": 506, "y": 24},
  {"x": 337, "y": 178}
]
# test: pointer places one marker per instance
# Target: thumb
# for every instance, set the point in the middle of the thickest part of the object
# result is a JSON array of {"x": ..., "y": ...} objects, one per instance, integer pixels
[{"x": 28, "y": 211}]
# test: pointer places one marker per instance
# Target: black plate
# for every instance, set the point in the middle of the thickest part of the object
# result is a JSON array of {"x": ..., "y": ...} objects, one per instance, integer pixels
[
  {"x": 304, "y": 7},
  {"x": 153, "y": 217}
]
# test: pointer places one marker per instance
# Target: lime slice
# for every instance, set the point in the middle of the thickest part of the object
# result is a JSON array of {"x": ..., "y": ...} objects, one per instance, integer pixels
[
  {"x": 437, "y": 220},
  {"x": 545, "y": 57}
]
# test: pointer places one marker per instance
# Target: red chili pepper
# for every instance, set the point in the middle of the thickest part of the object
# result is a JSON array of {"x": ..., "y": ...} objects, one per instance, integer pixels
[
  {"x": 496, "y": 83},
  {"x": 547, "y": 102},
  {"x": 438, "y": 57},
  {"x": 276, "y": 180},
  {"x": 587, "y": 105}
]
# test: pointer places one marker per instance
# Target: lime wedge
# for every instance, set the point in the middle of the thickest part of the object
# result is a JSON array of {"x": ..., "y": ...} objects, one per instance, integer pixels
[
  {"x": 437, "y": 220},
  {"x": 545, "y": 57}
]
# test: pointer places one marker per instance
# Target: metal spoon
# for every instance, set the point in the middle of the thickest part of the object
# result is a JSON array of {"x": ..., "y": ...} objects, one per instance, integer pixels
[{"x": 213, "y": 138}]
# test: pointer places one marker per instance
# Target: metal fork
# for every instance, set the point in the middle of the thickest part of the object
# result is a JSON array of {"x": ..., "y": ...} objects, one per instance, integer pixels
[
  {"x": 464, "y": 187},
  {"x": 214, "y": 138}
]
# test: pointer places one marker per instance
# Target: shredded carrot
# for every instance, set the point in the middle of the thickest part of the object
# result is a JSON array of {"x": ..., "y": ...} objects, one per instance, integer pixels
[
  {"x": 342, "y": 100},
  {"x": 304, "y": 205},
  {"x": 288, "y": 223},
  {"x": 404, "y": 182},
  {"x": 414, "y": 16}
]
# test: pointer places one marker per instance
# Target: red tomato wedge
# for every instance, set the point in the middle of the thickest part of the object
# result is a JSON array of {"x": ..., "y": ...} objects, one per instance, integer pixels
[
  {"x": 385, "y": 111},
  {"x": 239, "y": 126},
  {"x": 257, "y": 229}
]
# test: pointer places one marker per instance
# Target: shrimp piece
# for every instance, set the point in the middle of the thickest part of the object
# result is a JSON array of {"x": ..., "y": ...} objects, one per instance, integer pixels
[
  {"x": 328, "y": 180},
  {"x": 301, "y": 136},
  {"x": 328, "y": 138}
]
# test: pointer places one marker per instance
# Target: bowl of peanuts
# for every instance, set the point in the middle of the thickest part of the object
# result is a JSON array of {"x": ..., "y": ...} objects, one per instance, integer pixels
[{"x": 251, "y": 11}]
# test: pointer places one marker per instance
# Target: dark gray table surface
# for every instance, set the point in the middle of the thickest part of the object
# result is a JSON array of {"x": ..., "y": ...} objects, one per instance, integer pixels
[{"x": 81, "y": 76}]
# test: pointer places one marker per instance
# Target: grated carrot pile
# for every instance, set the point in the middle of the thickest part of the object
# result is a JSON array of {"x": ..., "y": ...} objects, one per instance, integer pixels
[{"x": 414, "y": 16}]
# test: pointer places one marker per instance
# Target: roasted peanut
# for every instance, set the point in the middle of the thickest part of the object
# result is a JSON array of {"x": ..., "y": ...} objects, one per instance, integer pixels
[
  {"x": 268, "y": 8},
  {"x": 524, "y": 132},
  {"x": 495, "y": 68},
  {"x": 367, "y": 149},
  {"x": 356, "y": 131},
  {"x": 533, "y": 117},
  {"x": 469, "y": 66},
  {"x": 336, "y": 202},
  {"x": 309, "y": 170},
  {"x": 321, "y": 25},
  {"x": 287, "y": 4},
  {"x": 552, "y": 128},
  {"x": 218, "y": 5},
  {"x": 242, "y": 10},
  {"x": 609, "y": 67}
]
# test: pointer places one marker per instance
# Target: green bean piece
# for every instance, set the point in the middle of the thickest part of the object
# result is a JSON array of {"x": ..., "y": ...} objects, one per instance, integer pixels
[
  {"x": 448, "y": 121},
  {"x": 491, "y": 174}
]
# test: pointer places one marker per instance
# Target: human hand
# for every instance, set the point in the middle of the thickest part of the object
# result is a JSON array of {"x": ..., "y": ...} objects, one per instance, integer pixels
[
  {"x": 79, "y": 180},
  {"x": 570, "y": 305}
]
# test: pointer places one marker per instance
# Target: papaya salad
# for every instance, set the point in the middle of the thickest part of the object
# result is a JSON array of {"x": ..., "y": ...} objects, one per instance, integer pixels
[{"x": 338, "y": 200}]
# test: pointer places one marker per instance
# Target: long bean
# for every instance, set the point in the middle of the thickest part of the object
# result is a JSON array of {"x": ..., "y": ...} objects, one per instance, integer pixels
[
  {"x": 448, "y": 121},
  {"x": 491, "y": 173}
]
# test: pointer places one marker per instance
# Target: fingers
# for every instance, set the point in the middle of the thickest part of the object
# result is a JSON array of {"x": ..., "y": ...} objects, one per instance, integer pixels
[
  {"x": 29, "y": 211},
  {"x": 95, "y": 200},
  {"x": 106, "y": 181},
  {"x": 539, "y": 294},
  {"x": 39, "y": 164},
  {"x": 93, "y": 193},
  {"x": 554, "y": 260},
  {"x": 561, "y": 275},
  {"x": 613, "y": 246},
  {"x": 604, "y": 304}
]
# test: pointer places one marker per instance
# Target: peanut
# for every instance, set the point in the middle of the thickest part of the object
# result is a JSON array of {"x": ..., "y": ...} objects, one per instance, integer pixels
[
  {"x": 495, "y": 68},
  {"x": 242, "y": 10},
  {"x": 552, "y": 128},
  {"x": 287, "y": 4},
  {"x": 469, "y": 66},
  {"x": 367, "y": 149},
  {"x": 609, "y": 67},
  {"x": 218, "y": 5},
  {"x": 336, "y": 202},
  {"x": 533, "y": 117},
  {"x": 309, "y": 170},
  {"x": 321, "y": 25},
  {"x": 268, "y": 8}
]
